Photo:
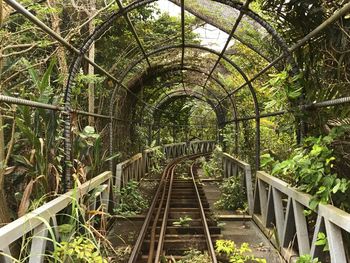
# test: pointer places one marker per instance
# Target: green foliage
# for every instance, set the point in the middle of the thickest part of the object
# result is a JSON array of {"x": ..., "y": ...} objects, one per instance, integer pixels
[
  {"x": 158, "y": 157},
  {"x": 89, "y": 150},
  {"x": 212, "y": 168},
  {"x": 310, "y": 168},
  {"x": 233, "y": 194},
  {"x": 183, "y": 221},
  {"x": 322, "y": 241},
  {"x": 236, "y": 254},
  {"x": 307, "y": 259},
  {"x": 78, "y": 250},
  {"x": 38, "y": 148},
  {"x": 280, "y": 87},
  {"x": 195, "y": 256},
  {"x": 131, "y": 201}
]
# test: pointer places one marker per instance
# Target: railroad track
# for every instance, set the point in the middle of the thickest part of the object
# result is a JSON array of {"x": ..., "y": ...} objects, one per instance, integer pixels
[{"x": 160, "y": 240}]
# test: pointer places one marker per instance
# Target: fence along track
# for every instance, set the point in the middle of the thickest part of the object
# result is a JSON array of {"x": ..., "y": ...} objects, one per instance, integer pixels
[{"x": 176, "y": 197}]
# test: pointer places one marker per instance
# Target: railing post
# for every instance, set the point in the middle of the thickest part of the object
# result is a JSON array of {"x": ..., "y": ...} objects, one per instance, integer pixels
[{"x": 38, "y": 246}]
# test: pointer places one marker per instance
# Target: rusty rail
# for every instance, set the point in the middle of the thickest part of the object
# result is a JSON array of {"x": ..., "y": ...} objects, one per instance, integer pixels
[{"x": 211, "y": 249}]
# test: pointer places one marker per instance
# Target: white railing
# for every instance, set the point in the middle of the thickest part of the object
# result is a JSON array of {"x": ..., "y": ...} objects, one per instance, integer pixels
[
  {"x": 140, "y": 164},
  {"x": 279, "y": 212},
  {"x": 196, "y": 147},
  {"x": 42, "y": 221},
  {"x": 39, "y": 224},
  {"x": 234, "y": 167}
]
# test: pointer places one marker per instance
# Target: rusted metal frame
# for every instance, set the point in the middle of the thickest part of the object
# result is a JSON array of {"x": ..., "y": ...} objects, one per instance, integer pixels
[
  {"x": 217, "y": 25},
  {"x": 252, "y": 90},
  {"x": 182, "y": 32},
  {"x": 315, "y": 105},
  {"x": 180, "y": 93},
  {"x": 234, "y": 28},
  {"x": 210, "y": 245},
  {"x": 182, "y": 6},
  {"x": 220, "y": 115},
  {"x": 337, "y": 15},
  {"x": 35, "y": 104},
  {"x": 165, "y": 48},
  {"x": 217, "y": 81},
  {"x": 133, "y": 31},
  {"x": 230, "y": 98},
  {"x": 73, "y": 71},
  {"x": 17, "y": 6}
]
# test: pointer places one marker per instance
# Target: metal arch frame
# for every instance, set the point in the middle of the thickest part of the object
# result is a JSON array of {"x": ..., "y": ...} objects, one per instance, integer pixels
[
  {"x": 190, "y": 92},
  {"x": 74, "y": 68},
  {"x": 233, "y": 30},
  {"x": 239, "y": 70},
  {"x": 192, "y": 46},
  {"x": 176, "y": 68},
  {"x": 103, "y": 27},
  {"x": 180, "y": 93},
  {"x": 184, "y": 93},
  {"x": 217, "y": 81}
]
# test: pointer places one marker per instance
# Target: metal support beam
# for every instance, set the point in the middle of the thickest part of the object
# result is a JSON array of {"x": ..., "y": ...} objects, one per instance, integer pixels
[
  {"x": 316, "y": 105},
  {"x": 133, "y": 31},
  {"x": 234, "y": 28},
  {"x": 337, "y": 15},
  {"x": 20, "y": 9}
]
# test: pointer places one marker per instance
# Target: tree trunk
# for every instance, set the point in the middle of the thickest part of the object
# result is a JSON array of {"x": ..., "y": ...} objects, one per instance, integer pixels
[{"x": 4, "y": 209}]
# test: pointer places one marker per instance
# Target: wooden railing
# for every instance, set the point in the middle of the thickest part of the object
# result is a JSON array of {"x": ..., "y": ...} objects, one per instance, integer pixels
[
  {"x": 234, "y": 167},
  {"x": 279, "y": 211},
  {"x": 42, "y": 222}
]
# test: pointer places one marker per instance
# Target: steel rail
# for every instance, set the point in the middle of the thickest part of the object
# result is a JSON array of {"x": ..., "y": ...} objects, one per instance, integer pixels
[
  {"x": 165, "y": 218},
  {"x": 158, "y": 206},
  {"x": 210, "y": 245},
  {"x": 337, "y": 15},
  {"x": 143, "y": 231}
]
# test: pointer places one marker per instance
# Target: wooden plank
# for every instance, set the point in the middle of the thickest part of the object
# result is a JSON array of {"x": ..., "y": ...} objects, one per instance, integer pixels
[
  {"x": 279, "y": 215},
  {"x": 317, "y": 251},
  {"x": 249, "y": 188},
  {"x": 335, "y": 242},
  {"x": 38, "y": 246},
  {"x": 289, "y": 229},
  {"x": 262, "y": 198},
  {"x": 269, "y": 219},
  {"x": 301, "y": 228}
]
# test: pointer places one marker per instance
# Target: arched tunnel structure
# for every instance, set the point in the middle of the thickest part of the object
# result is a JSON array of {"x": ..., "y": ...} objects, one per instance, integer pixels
[
  {"x": 176, "y": 98},
  {"x": 180, "y": 63},
  {"x": 198, "y": 68}
]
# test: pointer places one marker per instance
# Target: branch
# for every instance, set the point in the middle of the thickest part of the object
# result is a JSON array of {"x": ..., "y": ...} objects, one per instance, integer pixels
[{"x": 18, "y": 52}]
